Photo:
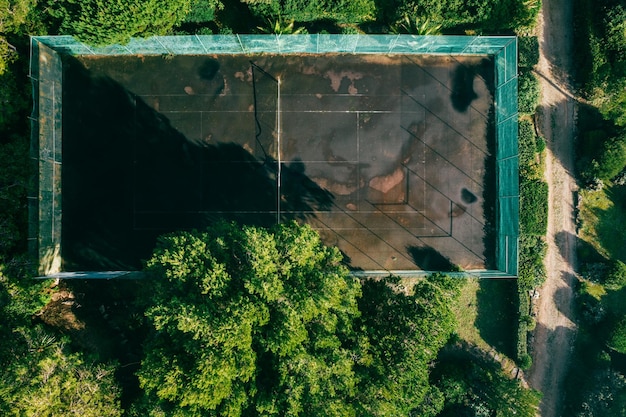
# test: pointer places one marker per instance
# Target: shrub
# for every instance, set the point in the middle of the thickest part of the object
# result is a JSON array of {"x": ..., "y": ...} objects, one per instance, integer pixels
[
  {"x": 541, "y": 144},
  {"x": 527, "y": 143},
  {"x": 609, "y": 162},
  {"x": 528, "y": 92},
  {"x": 525, "y": 361},
  {"x": 105, "y": 22},
  {"x": 528, "y": 47},
  {"x": 617, "y": 340},
  {"x": 532, "y": 271},
  {"x": 615, "y": 275},
  {"x": 533, "y": 207},
  {"x": 343, "y": 11},
  {"x": 595, "y": 271},
  {"x": 203, "y": 11}
]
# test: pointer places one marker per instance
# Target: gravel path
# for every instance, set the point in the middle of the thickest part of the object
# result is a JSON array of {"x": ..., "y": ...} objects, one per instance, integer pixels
[{"x": 556, "y": 329}]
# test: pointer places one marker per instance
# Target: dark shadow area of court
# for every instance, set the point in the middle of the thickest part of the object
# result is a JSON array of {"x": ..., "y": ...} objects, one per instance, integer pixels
[{"x": 129, "y": 176}]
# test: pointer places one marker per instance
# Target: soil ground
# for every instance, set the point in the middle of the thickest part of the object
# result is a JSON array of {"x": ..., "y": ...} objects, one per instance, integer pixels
[{"x": 556, "y": 328}]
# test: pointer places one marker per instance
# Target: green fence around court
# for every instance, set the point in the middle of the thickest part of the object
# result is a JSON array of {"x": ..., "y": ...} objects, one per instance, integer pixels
[
  {"x": 44, "y": 201},
  {"x": 47, "y": 77}
]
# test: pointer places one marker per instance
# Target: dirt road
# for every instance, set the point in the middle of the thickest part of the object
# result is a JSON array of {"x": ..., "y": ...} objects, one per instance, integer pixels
[{"x": 556, "y": 329}]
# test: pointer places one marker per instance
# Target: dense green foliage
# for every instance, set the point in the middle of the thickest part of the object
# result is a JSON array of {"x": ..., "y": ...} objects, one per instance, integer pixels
[
  {"x": 480, "y": 15},
  {"x": 617, "y": 340},
  {"x": 477, "y": 386},
  {"x": 610, "y": 160},
  {"x": 601, "y": 77},
  {"x": 528, "y": 51},
  {"x": 528, "y": 91},
  {"x": 105, "y": 22},
  {"x": 242, "y": 314},
  {"x": 616, "y": 275},
  {"x": 533, "y": 207},
  {"x": 38, "y": 374},
  {"x": 405, "y": 333},
  {"x": 248, "y": 321},
  {"x": 533, "y": 198},
  {"x": 352, "y": 11}
]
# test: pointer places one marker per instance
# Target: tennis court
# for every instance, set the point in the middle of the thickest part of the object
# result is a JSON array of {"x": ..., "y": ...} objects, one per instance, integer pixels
[{"x": 388, "y": 156}]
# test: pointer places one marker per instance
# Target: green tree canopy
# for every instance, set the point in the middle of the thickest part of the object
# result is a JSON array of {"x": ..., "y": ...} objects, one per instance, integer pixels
[
  {"x": 250, "y": 321},
  {"x": 406, "y": 333},
  {"x": 477, "y": 386},
  {"x": 617, "y": 339},
  {"x": 105, "y": 22},
  {"x": 39, "y": 376}
]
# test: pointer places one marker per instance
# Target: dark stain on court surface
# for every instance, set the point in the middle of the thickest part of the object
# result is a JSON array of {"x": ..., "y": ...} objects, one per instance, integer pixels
[
  {"x": 208, "y": 69},
  {"x": 468, "y": 197}
]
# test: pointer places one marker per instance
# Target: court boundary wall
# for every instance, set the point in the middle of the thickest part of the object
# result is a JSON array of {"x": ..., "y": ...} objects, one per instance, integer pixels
[{"x": 46, "y": 73}]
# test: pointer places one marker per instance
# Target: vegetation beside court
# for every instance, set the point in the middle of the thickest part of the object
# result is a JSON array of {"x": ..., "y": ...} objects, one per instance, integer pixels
[
  {"x": 533, "y": 198},
  {"x": 600, "y": 77}
]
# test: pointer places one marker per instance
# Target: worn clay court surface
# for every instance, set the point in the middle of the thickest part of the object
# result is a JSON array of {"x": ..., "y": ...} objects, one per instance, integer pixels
[{"x": 385, "y": 155}]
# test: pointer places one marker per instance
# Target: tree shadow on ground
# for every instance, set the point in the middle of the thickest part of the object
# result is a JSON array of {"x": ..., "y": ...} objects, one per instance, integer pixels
[
  {"x": 429, "y": 259},
  {"x": 555, "y": 358},
  {"x": 130, "y": 176},
  {"x": 104, "y": 321},
  {"x": 497, "y": 313},
  {"x": 564, "y": 240}
]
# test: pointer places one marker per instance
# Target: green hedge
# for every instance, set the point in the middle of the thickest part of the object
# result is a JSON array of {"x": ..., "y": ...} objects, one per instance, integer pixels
[
  {"x": 343, "y": 11},
  {"x": 528, "y": 92},
  {"x": 532, "y": 271},
  {"x": 528, "y": 47},
  {"x": 533, "y": 207}
]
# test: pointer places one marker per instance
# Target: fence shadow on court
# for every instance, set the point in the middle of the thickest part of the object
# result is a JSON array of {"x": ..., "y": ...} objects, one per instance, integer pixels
[{"x": 129, "y": 176}]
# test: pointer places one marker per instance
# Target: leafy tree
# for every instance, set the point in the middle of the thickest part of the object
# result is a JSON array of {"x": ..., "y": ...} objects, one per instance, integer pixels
[
  {"x": 105, "y": 22},
  {"x": 248, "y": 321},
  {"x": 528, "y": 92},
  {"x": 13, "y": 186},
  {"x": 202, "y": 11},
  {"x": 615, "y": 275},
  {"x": 476, "y": 386},
  {"x": 481, "y": 15},
  {"x": 13, "y": 14},
  {"x": 617, "y": 340},
  {"x": 344, "y": 11},
  {"x": 406, "y": 333},
  {"x": 609, "y": 162},
  {"x": 38, "y": 375},
  {"x": 606, "y": 396}
]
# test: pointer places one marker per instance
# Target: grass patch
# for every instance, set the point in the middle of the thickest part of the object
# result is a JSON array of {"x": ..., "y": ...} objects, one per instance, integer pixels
[
  {"x": 466, "y": 310},
  {"x": 603, "y": 221},
  {"x": 485, "y": 314},
  {"x": 595, "y": 290}
]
